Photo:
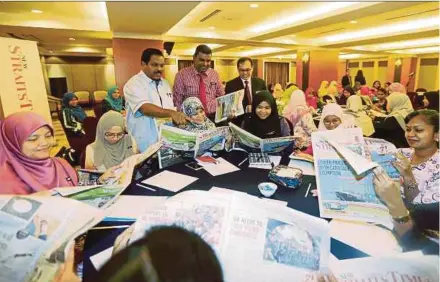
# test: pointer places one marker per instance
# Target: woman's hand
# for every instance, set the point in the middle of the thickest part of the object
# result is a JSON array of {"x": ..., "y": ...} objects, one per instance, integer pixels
[
  {"x": 403, "y": 165},
  {"x": 389, "y": 192},
  {"x": 108, "y": 174},
  {"x": 66, "y": 273}
]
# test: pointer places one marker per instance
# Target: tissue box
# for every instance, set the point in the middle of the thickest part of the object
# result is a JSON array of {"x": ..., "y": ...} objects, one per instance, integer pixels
[{"x": 286, "y": 176}]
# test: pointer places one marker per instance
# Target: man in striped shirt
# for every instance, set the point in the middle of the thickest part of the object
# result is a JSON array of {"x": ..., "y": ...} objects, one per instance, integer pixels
[{"x": 200, "y": 81}]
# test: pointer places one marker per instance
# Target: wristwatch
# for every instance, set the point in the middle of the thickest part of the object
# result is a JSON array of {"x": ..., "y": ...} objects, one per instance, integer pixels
[{"x": 402, "y": 219}]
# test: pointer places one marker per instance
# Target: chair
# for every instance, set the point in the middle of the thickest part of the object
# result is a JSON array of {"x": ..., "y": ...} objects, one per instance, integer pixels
[
  {"x": 89, "y": 126},
  {"x": 83, "y": 97},
  {"x": 78, "y": 143},
  {"x": 98, "y": 96}
]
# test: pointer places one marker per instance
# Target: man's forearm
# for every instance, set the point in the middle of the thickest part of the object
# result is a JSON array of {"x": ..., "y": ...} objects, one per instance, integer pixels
[{"x": 155, "y": 111}]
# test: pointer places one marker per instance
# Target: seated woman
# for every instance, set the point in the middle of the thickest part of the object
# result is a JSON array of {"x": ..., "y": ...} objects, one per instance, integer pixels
[
  {"x": 312, "y": 98},
  {"x": 377, "y": 85},
  {"x": 380, "y": 104},
  {"x": 299, "y": 114},
  {"x": 431, "y": 100},
  {"x": 112, "y": 144},
  {"x": 282, "y": 98},
  {"x": 113, "y": 101},
  {"x": 348, "y": 91},
  {"x": 25, "y": 163},
  {"x": 392, "y": 128},
  {"x": 192, "y": 107},
  {"x": 73, "y": 115},
  {"x": 264, "y": 120},
  {"x": 322, "y": 91},
  {"x": 361, "y": 119}
]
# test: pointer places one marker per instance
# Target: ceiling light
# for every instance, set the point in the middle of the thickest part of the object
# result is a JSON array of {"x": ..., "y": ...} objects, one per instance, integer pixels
[
  {"x": 353, "y": 21},
  {"x": 36, "y": 11},
  {"x": 212, "y": 27},
  {"x": 408, "y": 43},
  {"x": 307, "y": 15},
  {"x": 398, "y": 62},
  {"x": 51, "y": 51},
  {"x": 71, "y": 39},
  {"x": 387, "y": 29},
  {"x": 349, "y": 56},
  {"x": 261, "y": 51},
  {"x": 254, "y": 5},
  {"x": 434, "y": 49}
]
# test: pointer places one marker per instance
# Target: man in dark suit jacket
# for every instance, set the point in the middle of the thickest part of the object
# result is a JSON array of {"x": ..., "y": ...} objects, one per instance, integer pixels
[
  {"x": 254, "y": 84},
  {"x": 346, "y": 79}
]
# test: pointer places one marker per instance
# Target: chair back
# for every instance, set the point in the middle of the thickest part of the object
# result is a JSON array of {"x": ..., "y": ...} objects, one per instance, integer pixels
[
  {"x": 83, "y": 97},
  {"x": 98, "y": 96},
  {"x": 97, "y": 109}
]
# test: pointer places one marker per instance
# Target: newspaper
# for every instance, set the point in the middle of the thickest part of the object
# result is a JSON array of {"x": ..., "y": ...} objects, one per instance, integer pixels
[
  {"x": 344, "y": 177},
  {"x": 252, "y": 142},
  {"x": 228, "y": 105},
  {"x": 275, "y": 242},
  {"x": 33, "y": 237},
  {"x": 382, "y": 152}
]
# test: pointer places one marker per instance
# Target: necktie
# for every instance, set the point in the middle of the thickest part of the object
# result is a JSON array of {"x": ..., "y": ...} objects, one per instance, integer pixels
[
  {"x": 247, "y": 92},
  {"x": 202, "y": 92}
]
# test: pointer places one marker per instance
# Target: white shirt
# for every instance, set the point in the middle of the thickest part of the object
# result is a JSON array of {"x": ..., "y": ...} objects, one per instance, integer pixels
[{"x": 139, "y": 90}]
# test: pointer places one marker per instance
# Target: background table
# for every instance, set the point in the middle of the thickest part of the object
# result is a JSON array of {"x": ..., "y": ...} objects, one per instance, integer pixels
[{"x": 244, "y": 180}]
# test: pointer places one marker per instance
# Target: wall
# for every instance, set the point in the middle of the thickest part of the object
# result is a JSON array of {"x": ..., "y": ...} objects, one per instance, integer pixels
[
  {"x": 428, "y": 74},
  {"x": 323, "y": 66},
  {"x": 373, "y": 69}
]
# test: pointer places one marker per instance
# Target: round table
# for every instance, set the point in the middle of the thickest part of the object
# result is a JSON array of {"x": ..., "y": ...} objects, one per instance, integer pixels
[{"x": 244, "y": 180}]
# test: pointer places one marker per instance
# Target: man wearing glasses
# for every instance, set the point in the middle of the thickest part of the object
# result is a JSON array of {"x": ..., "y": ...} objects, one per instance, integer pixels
[{"x": 251, "y": 85}]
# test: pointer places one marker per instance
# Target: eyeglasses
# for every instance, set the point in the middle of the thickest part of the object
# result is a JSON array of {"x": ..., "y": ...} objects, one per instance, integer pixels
[
  {"x": 335, "y": 121},
  {"x": 113, "y": 135},
  {"x": 244, "y": 70}
]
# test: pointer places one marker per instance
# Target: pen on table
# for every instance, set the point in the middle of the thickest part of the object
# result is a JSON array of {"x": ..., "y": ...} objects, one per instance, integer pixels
[
  {"x": 242, "y": 162},
  {"x": 146, "y": 187},
  {"x": 308, "y": 189}
]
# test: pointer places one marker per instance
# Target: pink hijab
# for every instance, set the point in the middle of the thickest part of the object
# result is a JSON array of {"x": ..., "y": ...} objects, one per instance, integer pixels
[
  {"x": 20, "y": 174},
  {"x": 311, "y": 99},
  {"x": 296, "y": 108}
]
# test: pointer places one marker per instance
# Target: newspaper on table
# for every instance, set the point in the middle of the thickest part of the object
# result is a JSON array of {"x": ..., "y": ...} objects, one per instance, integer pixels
[
  {"x": 35, "y": 232},
  {"x": 344, "y": 177},
  {"x": 252, "y": 142},
  {"x": 254, "y": 241},
  {"x": 228, "y": 105},
  {"x": 102, "y": 196},
  {"x": 180, "y": 145}
]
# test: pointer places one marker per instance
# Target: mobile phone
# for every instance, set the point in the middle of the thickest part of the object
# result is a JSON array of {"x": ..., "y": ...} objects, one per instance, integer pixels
[{"x": 194, "y": 166}]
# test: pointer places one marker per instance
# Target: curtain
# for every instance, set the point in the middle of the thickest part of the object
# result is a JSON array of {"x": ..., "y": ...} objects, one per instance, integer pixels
[{"x": 276, "y": 73}]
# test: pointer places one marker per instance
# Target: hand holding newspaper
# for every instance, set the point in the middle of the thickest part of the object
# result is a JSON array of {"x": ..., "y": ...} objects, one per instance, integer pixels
[{"x": 229, "y": 105}]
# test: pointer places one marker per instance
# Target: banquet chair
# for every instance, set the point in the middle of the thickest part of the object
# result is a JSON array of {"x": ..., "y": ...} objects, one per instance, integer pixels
[
  {"x": 83, "y": 97},
  {"x": 98, "y": 96}
]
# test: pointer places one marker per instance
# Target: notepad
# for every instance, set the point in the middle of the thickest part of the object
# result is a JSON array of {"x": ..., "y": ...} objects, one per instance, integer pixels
[
  {"x": 222, "y": 167},
  {"x": 170, "y": 181}
]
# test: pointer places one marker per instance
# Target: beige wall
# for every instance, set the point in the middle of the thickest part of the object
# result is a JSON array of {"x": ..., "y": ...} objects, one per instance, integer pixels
[
  {"x": 428, "y": 77},
  {"x": 382, "y": 75}
]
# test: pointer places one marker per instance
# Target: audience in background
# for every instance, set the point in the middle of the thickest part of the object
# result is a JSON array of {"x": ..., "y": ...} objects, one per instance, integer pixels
[
  {"x": 264, "y": 121},
  {"x": 73, "y": 115},
  {"x": 386, "y": 86},
  {"x": 361, "y": 119},
  {"x": 376, "y": 85},
  {"x": 270, "y": 87},
  {"x": 322, "y": 91},
  {"x": 360, "y": 78},
  {"x": 311, "y": 98},
  {"x": 357, "y": 87},
  {"x": 113, "y": 101},
  {"x": 431, "y": 100},
  {"x": 332, "y": 90},
  {"x": 381, "y": 101},
  {"x": 284, "y": 98},
  {"x": 198, "y": 122},
  {"x": 278, "y": 91},
  {"x": 333, "y": 117},
  {"x": 346, "y": 79},
  {"x": 299, "y": 114},
  {"x": 112, "y": 144},
  {"x": 348, "y": 91}
]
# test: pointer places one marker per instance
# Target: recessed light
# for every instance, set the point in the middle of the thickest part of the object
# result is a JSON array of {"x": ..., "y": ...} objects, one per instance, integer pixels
[
  {"x": 212, "y": 27},
  {"x": 254, "y": 5},
  {"x": 353, "y": 21},
  {"x": 36, "y": 11},
  {"x": 50, "y": 51},
  {"x": 71, "y": 39}
]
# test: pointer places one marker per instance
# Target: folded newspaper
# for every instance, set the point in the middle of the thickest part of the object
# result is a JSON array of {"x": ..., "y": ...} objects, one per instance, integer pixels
[
  {"x": 33, "y": 237},
  {"x": 229, "y": 105},
  {"x": 344, "y": 177},
  {"x": 252, "y": 142},
  {"x": 254, "y": 240}
]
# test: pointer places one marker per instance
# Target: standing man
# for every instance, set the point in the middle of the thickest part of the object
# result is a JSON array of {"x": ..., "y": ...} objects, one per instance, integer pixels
[
  {"x": 346, "y": 79},
  {"x": 148, "y": 98},
  {"x": 200, "y": 81}
]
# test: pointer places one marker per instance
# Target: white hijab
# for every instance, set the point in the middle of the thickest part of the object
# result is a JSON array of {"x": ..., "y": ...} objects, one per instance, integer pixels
[
  {"x": 400, "y": 106},
  {"x": 334, "y": 109},
  {"x": 361, "y": 119}
]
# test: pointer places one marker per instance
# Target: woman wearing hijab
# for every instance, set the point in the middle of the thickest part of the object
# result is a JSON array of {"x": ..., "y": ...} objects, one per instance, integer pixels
[
  {"x": 299, "y": 114},
  {"x": 264, "y": 121},
  {"x": 360, "y": 78},
  {"x": 361, "y": 119},
  {"x": 311, "y": 99},
  {"x": 431, "y": 100},
  {"x": 192, "y": 107},
  {"x": 25, "y": 163},
  {"x": 322, "y": 91},
  {"x": 332, "y": 90},
  {"x": 112, "y": 144},
  {"x": 284, "y": 98},
  {"x": 392, "y": 128},
  {"x": 113, "y": 101},
  {"x": 348, "y": 91},
  {"x": 73, "y": 115}
]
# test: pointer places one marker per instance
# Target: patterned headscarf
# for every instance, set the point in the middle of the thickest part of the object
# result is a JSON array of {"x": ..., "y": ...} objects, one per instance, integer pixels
[{"x": 190, "y": 108}]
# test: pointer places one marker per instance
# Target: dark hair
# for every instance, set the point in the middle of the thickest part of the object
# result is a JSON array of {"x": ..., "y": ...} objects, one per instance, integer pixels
[
  {"x": 203, "y": 49},
  {"x": 360, "y": 73},
  {"x": 388, "y": 83},
  {"x": 433, "y": 98},
  {"x": 382, "y": 90},
  {"x": 146, "y": 55},
  {"x": 290, "y": 85},
  {"x": 421, "y": 90},
  {"x": 327, "y": 97},
  {"x": 430, "y": 115},
  {"x": 166, "y": 254},
  {"x": 244, "y": 59},
  {"x": 349, "y": 89},
  {"x": 380, "y": 84}
]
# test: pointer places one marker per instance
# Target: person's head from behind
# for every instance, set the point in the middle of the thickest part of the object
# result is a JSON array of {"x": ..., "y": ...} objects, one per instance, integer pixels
[
  {"x": 376, "y": 84},
  {"x": 278, "y": 91},
  {"x": 327, "y": 99},
  {"x": 396, "y": 87},
  {"x": 324, "y": 84},
  {"x": 192, "y": 107},
  {"x": 398, "y": 101},
  {"x": 245, "y": 66},
  {"x": 264, "y": 105},
  {"x": 422, "y": 129},
  {"x": 360, "y": 73},
  {"x": 431, "y": 100},
  {"x": 202, "y": 58},
  {"x": 111, "y": 127},
  {"x": 70, "y": 100},
  {"x": 348, "y": 91},
  {"x": 165, "y": 254},
  {"x": 331, "y": 117},
  {"x": 114, "y": 92},
  {"x": 153, "y": 63},
  {"x": 381, "y": 94}
]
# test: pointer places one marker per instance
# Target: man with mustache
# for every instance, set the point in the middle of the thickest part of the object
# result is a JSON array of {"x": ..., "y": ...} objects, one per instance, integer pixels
[
  {"x": 149, "y": 100},
  {"x": 200, "y": 81}
]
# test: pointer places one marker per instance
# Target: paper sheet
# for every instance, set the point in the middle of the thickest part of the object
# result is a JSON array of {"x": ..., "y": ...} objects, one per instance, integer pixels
[
  {"x": 368, "y": 238},
  {"x": 67, "y": 191},
  {"x": 307, "y": 168},
  {"x": 275, "y": 160},
  {"x": 131, "y": 207},
  {"x": 274, "y": 202},
  {"x": 101, "y": 258},
  {"x": 222, "y": 167},
  {"x": 170, "y": 181},
  {"x": 224, "y": 190}
]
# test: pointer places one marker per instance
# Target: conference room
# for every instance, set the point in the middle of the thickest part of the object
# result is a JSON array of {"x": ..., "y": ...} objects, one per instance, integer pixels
[{"x": 219, "y": 141}]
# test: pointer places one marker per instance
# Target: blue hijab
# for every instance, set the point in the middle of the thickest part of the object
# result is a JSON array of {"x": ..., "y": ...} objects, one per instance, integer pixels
[
  {"x": 77, "y": 111},
  {"x": 116, "y": 104}
]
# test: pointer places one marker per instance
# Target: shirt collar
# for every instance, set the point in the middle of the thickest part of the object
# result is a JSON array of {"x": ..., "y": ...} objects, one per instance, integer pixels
[
  {"x": 195, "y": 72},
  {"x": 149, "y": 80}
]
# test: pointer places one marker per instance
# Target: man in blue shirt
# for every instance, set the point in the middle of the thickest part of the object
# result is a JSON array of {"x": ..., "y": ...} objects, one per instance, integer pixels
[{"x": 149, "y": 100}]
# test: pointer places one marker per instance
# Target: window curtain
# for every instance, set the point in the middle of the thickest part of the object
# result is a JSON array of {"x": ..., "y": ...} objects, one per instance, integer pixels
[{"x": 276, "y": 73}]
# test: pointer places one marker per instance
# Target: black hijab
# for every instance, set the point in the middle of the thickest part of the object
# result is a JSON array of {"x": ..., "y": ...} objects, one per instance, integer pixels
[
  {"x": 433, "y": 98},
  {"x": 269, "y": 127}
]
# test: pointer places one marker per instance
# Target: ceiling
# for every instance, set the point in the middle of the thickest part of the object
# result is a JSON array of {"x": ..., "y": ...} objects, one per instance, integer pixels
[{"x": 231, "y": 29}]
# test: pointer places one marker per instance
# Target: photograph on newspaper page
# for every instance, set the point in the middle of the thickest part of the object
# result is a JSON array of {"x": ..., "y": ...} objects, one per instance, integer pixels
[
  {"x": 276, "y": 145},
  {"x": 229, "y": 105},
  {"x": 382, "y": 152},
  {"x": 343, "y": 193},
  {"x": 177, "y": 139},
  {"x": 245, "y": 138},
  {"x": 211, "y": 140}
]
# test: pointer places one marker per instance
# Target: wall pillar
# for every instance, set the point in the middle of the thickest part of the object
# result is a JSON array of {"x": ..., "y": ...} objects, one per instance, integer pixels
[
  {"x": 409, "y": 65},
  {"x": 323, "y": 66}
]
